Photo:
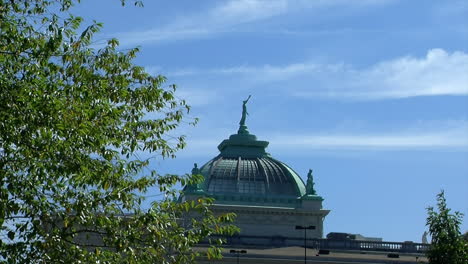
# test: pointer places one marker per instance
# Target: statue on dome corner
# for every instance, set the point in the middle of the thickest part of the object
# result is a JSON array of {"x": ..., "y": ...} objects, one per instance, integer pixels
[
  {"x": 310, "y": 184},
  {"x": 198, "y": 187},
  {"x": 195, "y": 170}
]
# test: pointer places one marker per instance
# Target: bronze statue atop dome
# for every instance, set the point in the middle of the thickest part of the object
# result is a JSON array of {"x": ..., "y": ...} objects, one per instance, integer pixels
[
  {"x": 243, "y": 127},
  {"x": 244, "y": 111}
]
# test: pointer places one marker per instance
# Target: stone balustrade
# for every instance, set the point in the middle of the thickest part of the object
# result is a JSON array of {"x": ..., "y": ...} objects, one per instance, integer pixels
[{"x": 349, "y": 244}]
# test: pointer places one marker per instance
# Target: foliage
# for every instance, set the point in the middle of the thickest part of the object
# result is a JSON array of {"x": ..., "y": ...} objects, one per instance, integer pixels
[
  {"x": 73, "y": 120},
  {"x": 448, "y": 245}
]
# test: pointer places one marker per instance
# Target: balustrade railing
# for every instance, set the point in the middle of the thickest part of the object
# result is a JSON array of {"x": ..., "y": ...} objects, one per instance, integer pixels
[
  {"x": 348, "y": 244},
  {"x": 407, "y": 247}
]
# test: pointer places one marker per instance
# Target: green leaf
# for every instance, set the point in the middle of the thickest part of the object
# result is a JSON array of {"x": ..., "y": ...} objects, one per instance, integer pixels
[{"x": 11, "y": 235}]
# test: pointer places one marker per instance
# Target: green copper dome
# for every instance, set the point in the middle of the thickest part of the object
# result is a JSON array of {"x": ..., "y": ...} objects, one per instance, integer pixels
[
  {"x": 252, "y": 176},
  {"x": 244, "y": 173}
]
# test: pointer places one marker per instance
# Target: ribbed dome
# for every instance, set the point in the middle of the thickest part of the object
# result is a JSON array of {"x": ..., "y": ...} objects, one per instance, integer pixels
[
  {"x": 251, "y": 176},
  {"x": 244, "y": 173}
]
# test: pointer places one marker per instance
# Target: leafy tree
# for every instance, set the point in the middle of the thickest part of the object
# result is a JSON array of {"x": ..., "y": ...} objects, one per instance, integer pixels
[
  {"x": 73, "y": 120},
  {"x": 448, "y": 245}
]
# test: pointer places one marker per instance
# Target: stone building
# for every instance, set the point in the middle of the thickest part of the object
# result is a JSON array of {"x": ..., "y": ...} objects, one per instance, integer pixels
[{"x": 268, "y": 196}]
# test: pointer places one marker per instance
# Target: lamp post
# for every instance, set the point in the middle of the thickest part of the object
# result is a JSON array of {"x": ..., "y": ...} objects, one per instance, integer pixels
[
  {"x": 238, "y": 252},
  {"x": 298, "y": 227}
]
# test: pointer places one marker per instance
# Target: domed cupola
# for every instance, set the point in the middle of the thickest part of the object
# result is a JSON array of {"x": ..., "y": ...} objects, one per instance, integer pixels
[{"x": 244, "y": 173}]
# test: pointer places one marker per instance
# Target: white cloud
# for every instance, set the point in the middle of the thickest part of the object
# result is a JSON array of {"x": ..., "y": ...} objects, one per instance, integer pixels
[
  {"x": 193, "y": 96},
  {"x": 197, "y": 97},
  {"x": 217, "y": 19},
  {"x": 267, "y": 72},
  {"x": 442, "y": 136},
  {"x": 438, "y": 73},
  {"x": 423, "y": 140},
  {"x": 226, "y": 16},
  {"x": 450, "y": 9},
  {"x": 242, "y": 11}
]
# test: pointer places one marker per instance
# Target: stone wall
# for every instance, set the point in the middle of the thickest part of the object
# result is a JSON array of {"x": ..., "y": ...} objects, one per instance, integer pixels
[{"x": 275, "y": 221}]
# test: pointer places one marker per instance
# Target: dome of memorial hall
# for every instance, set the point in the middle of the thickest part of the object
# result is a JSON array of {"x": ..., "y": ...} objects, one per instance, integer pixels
[
  {"x": 244, "y": 173},
  {"x": 268, "y": 196}
]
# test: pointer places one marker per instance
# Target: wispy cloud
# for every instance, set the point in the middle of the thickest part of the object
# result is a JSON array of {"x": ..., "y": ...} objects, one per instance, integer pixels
[
  {"x": 220, "y": 18},
  {"x": 265, "y": 72},
  {"x": 226, "y": 15},
  {"x": 423, "y": 140},
  {"x": 448, "y": 9},
  {"x": 197, "y": 97},
  {"x": 194, "y": 96},
  {"x": 451, "y": 136},
  {"x": 437, "y": 73}
]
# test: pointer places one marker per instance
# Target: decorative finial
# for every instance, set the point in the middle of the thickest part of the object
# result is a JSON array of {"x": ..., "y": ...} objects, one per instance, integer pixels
[
  {"x": 310, "y": 184},
  {"x": 243, "y": 127}
]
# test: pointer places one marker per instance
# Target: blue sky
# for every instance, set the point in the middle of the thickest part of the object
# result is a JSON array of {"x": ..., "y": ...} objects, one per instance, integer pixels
[{"x": 371, "y": 94}]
